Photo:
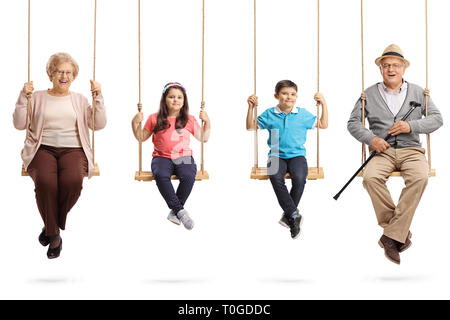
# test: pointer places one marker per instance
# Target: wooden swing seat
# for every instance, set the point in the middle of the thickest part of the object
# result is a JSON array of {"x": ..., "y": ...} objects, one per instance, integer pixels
[
  {"x": 96, "y": 171},
  {"x": 260, "y": 173},
  {"x": 148, "y": 176},
  {"x": 431, "y": 173}
]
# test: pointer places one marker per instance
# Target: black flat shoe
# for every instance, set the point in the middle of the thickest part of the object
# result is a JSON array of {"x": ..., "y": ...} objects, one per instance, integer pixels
[
  {"x": 55, "y": 252},
  {"x": 43, "y": 239}
]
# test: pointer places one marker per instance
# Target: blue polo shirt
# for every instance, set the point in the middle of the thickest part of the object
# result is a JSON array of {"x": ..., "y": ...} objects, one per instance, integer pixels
[{"x": 287, "y": 132}]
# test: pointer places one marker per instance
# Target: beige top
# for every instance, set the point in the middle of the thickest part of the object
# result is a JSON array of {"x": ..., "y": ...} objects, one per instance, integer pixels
[
  {"x": 60, "y": 123},
  {"x": 83, "y": 111}
]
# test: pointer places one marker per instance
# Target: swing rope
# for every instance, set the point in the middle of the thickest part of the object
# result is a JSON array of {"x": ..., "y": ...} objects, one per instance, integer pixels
[
  {"x": 363, "y": 98},
  {"x": 427, "y": 95},
  {"x": 94, "y": 94},
  {"x": 140, "y": 101},
  {"x": 29, "y": 72},
  {"x": 254, "y": 91},
  {"x": 202, "y": 107},
  {"x": 318, "y": 80}
]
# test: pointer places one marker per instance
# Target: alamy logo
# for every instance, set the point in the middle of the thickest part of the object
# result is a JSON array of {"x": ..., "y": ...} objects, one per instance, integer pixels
[
  {"x": 177, "y": 152},
  {"x": 274, "y": 162}
]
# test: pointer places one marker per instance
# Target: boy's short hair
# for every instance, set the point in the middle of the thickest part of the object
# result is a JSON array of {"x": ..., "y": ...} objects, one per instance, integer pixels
[{"x": 283, "y": 84}]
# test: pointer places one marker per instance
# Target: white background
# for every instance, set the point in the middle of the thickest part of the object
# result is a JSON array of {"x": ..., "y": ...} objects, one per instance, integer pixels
[{"x": 118, "y": 243}]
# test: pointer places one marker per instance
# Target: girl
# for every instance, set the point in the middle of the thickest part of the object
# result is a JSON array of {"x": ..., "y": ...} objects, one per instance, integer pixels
[{"x": 171, "y": 128}]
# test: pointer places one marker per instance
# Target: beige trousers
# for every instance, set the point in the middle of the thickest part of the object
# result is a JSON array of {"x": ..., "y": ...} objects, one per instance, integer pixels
[{"x": 396, "y": 220}]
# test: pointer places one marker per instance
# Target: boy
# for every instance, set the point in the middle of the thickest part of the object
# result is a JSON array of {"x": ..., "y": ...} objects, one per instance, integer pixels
[{"x": 287, "y": 127}]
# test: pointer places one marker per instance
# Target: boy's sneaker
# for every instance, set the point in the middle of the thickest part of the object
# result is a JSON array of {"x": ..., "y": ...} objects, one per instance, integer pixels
[
  {"x": 183, "y": 215},
  {"x": 172, "y": 217},
  {"x": 284, "y": 221},
  {"x": 295, "y": 222}
]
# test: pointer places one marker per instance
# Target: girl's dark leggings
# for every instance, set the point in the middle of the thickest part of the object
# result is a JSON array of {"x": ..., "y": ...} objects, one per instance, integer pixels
[{"x": 185, "y": 169}]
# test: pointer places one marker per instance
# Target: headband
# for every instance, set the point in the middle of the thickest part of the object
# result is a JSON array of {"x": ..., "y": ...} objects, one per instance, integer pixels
[{"x": 170, "y": 85}]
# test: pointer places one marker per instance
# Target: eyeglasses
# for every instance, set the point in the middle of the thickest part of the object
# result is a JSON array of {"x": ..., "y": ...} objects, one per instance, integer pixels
[
  {"x": 60, "y": 73},
  {"x": 396, "y": 66}
]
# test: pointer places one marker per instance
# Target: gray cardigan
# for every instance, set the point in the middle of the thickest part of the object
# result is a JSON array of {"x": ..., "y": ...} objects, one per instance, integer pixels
[{"x": 381, "y": 118}]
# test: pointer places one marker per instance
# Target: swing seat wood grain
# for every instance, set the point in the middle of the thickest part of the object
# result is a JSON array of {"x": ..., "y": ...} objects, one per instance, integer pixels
[
  {"x": 260, "y": 173},
  {"x": 431, "y": 173},
  {"x": 96, "y": 171},
  {"x": 148, "y": 176}
]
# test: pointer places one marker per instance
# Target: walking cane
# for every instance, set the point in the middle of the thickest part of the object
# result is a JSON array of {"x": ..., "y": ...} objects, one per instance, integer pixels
[{"x": 413, "y": 106}]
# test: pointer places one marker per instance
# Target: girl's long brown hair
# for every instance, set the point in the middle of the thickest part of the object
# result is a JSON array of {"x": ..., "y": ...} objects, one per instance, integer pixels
[{"x": 183, "y": 116}]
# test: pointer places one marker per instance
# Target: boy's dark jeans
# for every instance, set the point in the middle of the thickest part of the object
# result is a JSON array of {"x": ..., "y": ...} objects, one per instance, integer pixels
[
  {"x": 298, "y": 169},
  {"x": 185, "y": 169}
]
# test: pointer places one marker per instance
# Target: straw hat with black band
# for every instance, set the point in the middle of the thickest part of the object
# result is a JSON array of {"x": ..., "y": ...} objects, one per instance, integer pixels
[{"x": 393, "y": 51}]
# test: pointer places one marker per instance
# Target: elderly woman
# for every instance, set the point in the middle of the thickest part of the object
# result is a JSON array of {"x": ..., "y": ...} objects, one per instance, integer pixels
[{"x": 57, "y": 153}]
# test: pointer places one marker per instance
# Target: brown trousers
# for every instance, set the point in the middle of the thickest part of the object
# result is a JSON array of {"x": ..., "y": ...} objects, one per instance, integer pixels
[
  {"x": 412, "y": 163},
  {"x": 58, "y": 179}
]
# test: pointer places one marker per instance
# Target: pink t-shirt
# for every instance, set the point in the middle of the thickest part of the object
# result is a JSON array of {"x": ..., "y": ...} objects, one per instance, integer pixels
[{"x": 169, "y": 143}]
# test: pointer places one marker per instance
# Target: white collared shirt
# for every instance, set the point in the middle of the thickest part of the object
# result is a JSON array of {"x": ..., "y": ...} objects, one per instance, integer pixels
[
  {"x": 278, "y": 110},
  {"x": 394, "y": 100}
]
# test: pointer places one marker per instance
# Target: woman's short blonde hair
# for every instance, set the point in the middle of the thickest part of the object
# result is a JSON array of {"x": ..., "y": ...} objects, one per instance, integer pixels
[{"x": 59, "y": 58}]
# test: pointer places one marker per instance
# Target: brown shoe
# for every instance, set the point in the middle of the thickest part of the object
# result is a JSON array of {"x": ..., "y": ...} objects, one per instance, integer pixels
[
  {"x": 403, "y": 246},
  {"x": 390, "y": 248}
]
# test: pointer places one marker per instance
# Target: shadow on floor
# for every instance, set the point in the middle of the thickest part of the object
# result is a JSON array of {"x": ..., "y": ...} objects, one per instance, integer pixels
[
  {"x": 175, "y": 281},
  {"x": 286, "y": 281},
  {"x": 400, "y": 278}
]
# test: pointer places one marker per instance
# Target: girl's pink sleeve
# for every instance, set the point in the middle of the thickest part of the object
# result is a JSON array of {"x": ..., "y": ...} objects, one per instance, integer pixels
[
  {"x": 192, "y": 125},
  {"x": 150, "y": 123}
]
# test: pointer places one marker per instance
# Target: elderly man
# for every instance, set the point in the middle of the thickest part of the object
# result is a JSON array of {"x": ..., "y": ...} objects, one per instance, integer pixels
[{"x": 386, "y": 103}]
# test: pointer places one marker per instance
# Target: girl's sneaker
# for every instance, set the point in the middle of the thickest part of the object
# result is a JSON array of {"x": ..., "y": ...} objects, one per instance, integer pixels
[
  {"x": 172, "y": 217},
  {"x": 185, "y": 219}
]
